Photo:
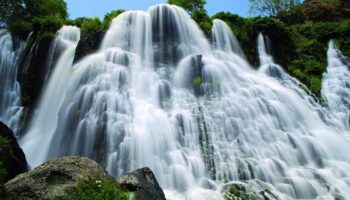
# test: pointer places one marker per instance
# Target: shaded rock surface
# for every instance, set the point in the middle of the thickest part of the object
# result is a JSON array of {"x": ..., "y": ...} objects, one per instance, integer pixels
[
  {"x": 143, "y": 184},
  {"x": 248, "y": 191},
  {"x": 55, "y": 179},
  {"x": 11, "y": 154}
]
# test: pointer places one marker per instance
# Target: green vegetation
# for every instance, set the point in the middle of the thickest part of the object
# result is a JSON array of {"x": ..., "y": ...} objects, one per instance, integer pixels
[
  {"x": 272, "y": 7},
  {"x": 298, "y": 37},
  {"x": 298, "y": 30},
  {"x": 190, "y": 6},
  {"x": 97, "y": 189},
  {"x": 198, "y": 13},
  {"x": 240, "y": 192},
  {"x": 5, "y": 146},
  {"x": 2, "y": 179},
  {"x": 24, "y": 16},
  {"x": 197, "y": 81},
  {"x": 110, "y": 16}
]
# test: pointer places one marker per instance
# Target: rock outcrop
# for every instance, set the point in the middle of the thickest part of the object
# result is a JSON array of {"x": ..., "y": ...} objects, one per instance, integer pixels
[
  {"x": 55, "y": 179},
  {"x": 248, "y": 191},
  {"x": 11, "y": 154},
  {"x": 143, "y": 184},
  {"x": 60, "y": 178}
]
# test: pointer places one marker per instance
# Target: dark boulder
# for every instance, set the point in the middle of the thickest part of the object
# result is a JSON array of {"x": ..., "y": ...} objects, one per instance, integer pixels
[
  {"x": 11, "y": 154},
  {"x": 143, "y": 184}
]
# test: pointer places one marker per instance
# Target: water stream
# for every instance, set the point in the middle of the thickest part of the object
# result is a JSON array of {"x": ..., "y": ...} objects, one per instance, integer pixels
[{"x": 158, "y": 94}]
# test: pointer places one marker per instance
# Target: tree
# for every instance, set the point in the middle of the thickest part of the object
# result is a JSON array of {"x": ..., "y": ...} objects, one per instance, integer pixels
[
  {"x": 189, "y": 5},
  {"x": 272, "y": 7},
  {"x": 21, "y": 16},
  {"x": 110, "y": 16}
]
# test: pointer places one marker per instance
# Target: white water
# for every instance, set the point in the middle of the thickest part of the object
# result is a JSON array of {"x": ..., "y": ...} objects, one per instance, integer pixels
[
  {"x": 156, "y": 94},
  {"x": 36, "y": 142},
  {"x": 336, "y": 87},
  {"x": 223, "y": 38},
  {"x": 10, "y": 96}
]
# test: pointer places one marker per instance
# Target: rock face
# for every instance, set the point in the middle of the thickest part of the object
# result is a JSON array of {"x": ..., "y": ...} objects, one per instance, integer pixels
[
  {"x": 248, "y": 191},
  {"x": 55, "y": 179},
  {"x": 11, "y": 154},
  {"x": 143, "y": 183}
]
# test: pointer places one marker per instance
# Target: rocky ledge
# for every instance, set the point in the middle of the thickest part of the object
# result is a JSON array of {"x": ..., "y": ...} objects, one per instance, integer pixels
[{"x": 64, "y": 178}]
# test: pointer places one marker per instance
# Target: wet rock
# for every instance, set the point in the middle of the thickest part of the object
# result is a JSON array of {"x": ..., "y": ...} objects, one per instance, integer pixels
[
  {"x": 11, "y": 154},
  {"x": 244, "y": 191},
  {"x": 143, "y": 183},
  {"x": 55, "y": 179}
]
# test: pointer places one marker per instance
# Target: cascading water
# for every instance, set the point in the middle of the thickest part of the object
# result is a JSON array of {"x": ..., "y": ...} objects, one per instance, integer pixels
[
  {"x": 224, "y": 39},
  {"x": 10, "y": 96},
  {"x": 44, "y": 122},
  {"x": 156, "y": 94},
  {"x": 336, "y": 87}
]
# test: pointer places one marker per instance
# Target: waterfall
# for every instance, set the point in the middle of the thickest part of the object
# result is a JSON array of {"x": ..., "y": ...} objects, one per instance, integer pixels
[
  {"x": 10, "y": 96},
  {"x": 336, "y": 87},
  {"x": 157, "y": 94},
  {"x": 44, "y": 122},
  {"x": 223, "y": 38}
]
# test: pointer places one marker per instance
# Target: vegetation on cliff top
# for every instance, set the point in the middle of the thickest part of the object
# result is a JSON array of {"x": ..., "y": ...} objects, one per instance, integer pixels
[
  {"x": 298, "y": 36},
  {"x": 299, "y": 32}
]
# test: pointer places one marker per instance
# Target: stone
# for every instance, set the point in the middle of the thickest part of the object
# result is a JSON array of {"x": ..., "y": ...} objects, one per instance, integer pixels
[
  {"x": 11, "y": 154},
  {"x": 55, "y": 179},
  {"x": 143, "y": 184}
]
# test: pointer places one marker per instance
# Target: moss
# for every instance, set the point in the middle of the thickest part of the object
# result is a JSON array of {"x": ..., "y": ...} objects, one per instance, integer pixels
[
  {"x": 241, "y": 192},
  {"x": 2, "y": 180},
  {"x": 97, "y": 189},
  {"x": 5, "y": 147},
  {"x": 236, "y": 193},
  {"x": 196, "y": 82}
]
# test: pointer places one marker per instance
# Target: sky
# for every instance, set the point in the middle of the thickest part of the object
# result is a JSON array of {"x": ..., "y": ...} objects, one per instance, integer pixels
[{"x": 92, "y": 8}]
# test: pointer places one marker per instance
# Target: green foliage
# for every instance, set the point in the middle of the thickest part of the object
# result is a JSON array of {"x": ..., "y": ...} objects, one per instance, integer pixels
[
  {"x": 20, "y": 27},
  {"x": 189, "y": 5},
  {"x": 96, "y": 189},
  {"x": 238, "y": 192},
  {"x": 110, "y": 16},
  {"x": 5, "y": 146},
  {"x": 91, "y": 25},
  {"x": 2, "y": 179},
  {"x": 24, "y": 16},
  {"x": 295, "y": 15},
  {"x": 272, "y": 7},
  {"x": 203, "y": 20},
  {"x": 278, "y": 32},
  {"x": 92, "y": 32},
  {"x": 196, "y": 82},
  {"x": 322, "y": 10},
  {"x": 235, "y": 194},
  {"x": 47, "y": 23}
]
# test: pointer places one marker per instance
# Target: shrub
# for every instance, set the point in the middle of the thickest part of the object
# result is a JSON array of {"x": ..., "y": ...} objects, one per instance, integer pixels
[
  {"x": 20, "y": 28},
  {"x": 197, "y": 81},
  {"x": 321, "y": 10},
  {"x": 203, "y": 21},
  {"x": 96, "y": 189},
  {"x": 90, "y": 25},
  {"x": 110, "y": 16},
  {"x": 295, "y": 16},
  {"x": 47, "y": 23},
  {"x": 2, "y": 179}
]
